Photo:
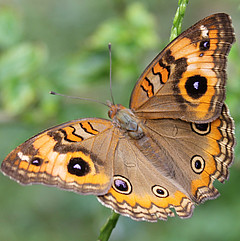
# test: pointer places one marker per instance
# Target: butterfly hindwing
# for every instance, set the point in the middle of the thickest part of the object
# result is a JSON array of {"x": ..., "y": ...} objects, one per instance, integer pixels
[{"x": 151, "y": 182}]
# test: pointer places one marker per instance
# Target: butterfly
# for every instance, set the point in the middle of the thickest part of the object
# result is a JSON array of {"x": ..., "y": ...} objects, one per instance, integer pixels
[{"x": 161, "y": 154}]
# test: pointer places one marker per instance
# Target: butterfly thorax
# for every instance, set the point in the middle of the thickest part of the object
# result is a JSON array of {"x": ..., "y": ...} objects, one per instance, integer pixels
[{"x": 125, "y": 119}]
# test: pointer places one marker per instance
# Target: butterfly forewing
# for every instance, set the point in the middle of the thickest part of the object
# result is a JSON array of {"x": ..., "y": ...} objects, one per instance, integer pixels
[
  {"x": 187, "y": 79},
  {"x": 70, "y": 156}
]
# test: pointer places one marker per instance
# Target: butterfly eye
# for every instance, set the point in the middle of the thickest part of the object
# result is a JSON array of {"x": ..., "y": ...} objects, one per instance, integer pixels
[
  {"x": 77, "y": 166},
  {"x": 122, "y": 185},
  {"x": 201, "y": 129},
  {"x": 197, "y": 164},
  {"x": 160, "y": 191},
  {"x": 110, "y": 114}
]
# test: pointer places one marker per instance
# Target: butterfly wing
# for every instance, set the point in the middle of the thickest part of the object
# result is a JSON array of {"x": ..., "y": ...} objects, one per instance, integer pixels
[
  {"x": 170, "y": 168},
  {"x": 187, "y": 79},
  {"x": 77, "y": 155},
  {"x": 201, "y": 157},
  {"x": 174, "y": 163}
]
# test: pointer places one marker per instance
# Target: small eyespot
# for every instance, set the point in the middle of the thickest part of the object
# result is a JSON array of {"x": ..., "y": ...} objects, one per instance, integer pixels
[
  {"x": 204, "y": 45},
  {"x": 36, "y": 161},
  {"x": 160, "y": 191},
  {"x": 77, "y": 166},
  {"x": 201, "y": 129},
  {"x": 122, "y": 185},
  {"x": 197, "y": 164}
]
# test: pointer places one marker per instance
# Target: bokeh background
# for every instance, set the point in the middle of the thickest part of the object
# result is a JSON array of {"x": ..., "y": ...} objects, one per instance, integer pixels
[{"x": 62, "y": 46}]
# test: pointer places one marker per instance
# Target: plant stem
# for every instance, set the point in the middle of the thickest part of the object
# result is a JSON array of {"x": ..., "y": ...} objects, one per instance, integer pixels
[
  {"x": 177, "y": 21},
  {"x": 108, "y": 227}
]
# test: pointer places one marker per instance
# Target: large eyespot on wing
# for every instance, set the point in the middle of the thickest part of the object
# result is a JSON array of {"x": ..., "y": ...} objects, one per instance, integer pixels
[
  {"x": 187, "y": 79},
  {"x": 75, "y": 156}
]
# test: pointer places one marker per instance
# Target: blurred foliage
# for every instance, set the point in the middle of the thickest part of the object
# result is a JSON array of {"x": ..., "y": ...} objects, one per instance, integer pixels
[
  {"x": 22, "y": 66},
  {"x": 62, "y": 46},
  {"x": 25, "y": 69},
  {"x": 233, "y": 90},
  {"x": 130, "y": 34}
]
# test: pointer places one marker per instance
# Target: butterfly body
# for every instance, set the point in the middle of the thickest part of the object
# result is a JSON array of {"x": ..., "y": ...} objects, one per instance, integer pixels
[{"x": 164, "y": 152}]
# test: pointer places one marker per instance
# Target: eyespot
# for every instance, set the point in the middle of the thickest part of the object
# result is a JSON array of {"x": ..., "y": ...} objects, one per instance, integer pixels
[
  {"x": 77, "y": 166},
  {"x": 201, "y": 129},
  {"x": 122, "y": 185},
  {"x": 197, "y": 164},
  {"x": 196, "y": 86},
  {"x": 204, "y": 45},
  {"x": 36, "y": 161},
  {"x": 160, "y": 191}
]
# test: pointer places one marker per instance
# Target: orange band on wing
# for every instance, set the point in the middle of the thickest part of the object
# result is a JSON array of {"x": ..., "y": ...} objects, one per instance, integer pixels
[
  {"x": 88, "y": 128},
  {"x": 148, "y": 87},
  {"x": 162, "y": 72},
  {"x": 146, "y": 201},
  {"x": 71, "y": 135},
  {"x": 210, "y": 163}
]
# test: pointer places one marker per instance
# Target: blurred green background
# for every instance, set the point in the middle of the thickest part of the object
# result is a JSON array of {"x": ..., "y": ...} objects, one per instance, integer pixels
[{"x": 62, "y": 46}]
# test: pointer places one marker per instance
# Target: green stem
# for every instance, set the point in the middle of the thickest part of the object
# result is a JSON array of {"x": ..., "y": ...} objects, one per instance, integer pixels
[
  {"x": 108, "y": 227},
  {"x": 177, "y": 21}
]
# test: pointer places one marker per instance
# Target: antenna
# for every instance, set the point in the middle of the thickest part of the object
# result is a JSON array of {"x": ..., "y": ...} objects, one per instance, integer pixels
[
  {"x": 108, "y": 104},
  {"x": 80, "y": 98},
  {"x": 110, "y": 72}
]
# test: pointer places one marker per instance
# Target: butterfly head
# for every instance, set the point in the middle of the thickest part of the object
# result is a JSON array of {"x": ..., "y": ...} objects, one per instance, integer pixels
[{"x": 114, "y": 109}]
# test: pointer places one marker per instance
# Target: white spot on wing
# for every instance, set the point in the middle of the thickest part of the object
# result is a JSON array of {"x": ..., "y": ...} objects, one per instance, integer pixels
[
  {"x": 204, "y": 31},
  {"x": 23, "y": 157}
]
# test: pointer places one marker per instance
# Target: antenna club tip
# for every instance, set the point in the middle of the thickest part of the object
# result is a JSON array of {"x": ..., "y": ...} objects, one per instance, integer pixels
[
  {"x": 52, "y": 93},
  {"x": 109, "y": 45}
]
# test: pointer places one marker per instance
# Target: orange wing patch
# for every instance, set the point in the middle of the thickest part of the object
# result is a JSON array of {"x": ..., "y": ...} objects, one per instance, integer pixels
[
  {"x": 219, "y": 155},
  {"x": 88, "y": 128},
  {"x": 162, "y": 71},
  {"x": 70, "y": 134},
  {"x": 148, "y": 87},
  {"x": 148, "y": 207}
]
